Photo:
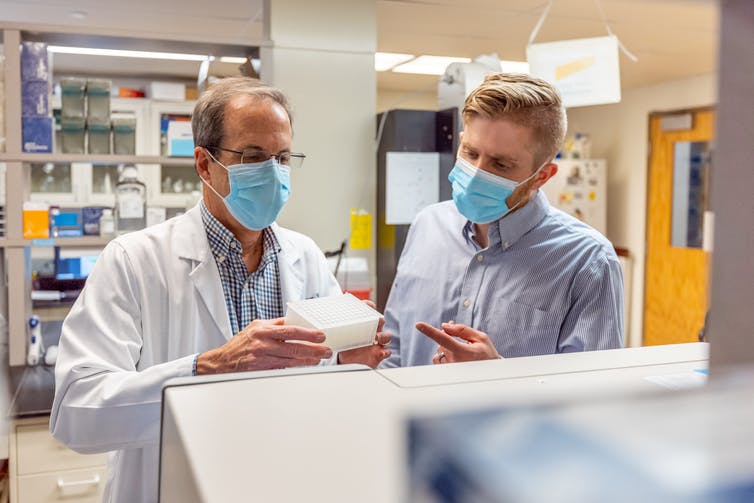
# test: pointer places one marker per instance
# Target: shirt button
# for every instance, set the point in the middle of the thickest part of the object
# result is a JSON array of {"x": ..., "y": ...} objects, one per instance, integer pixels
[
  {"x": 479, "y": 258},
  {"x": 466, "y": 303},
  {"x": 221, "y": 258},
  {"x": 506, "y": 245}
]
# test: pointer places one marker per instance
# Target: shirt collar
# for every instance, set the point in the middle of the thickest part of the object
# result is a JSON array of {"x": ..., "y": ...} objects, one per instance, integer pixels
[
  {"x": 222, "y": 242},
  {"x": 512, "y": 227}
]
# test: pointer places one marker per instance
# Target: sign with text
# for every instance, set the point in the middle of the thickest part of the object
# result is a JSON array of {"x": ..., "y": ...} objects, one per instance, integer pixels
[{"x": 586, "y": 71}]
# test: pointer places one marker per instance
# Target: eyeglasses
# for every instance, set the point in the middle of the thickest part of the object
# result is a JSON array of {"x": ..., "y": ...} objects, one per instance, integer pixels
[{"x": 254, "y": 155}]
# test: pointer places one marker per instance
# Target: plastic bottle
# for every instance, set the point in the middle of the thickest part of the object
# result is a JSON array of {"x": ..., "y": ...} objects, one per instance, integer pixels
[{"x": 107, "y": 223}]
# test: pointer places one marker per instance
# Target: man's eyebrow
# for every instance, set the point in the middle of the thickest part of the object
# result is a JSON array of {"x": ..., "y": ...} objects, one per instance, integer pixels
[
  {"x": 262, "y": 149},
  {"x": 497, "y": 157}
]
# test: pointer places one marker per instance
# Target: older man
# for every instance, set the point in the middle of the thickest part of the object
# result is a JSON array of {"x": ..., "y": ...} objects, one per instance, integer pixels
[
  {"x": 201, "y": 293},
  {"x": 498, "y": 272}
]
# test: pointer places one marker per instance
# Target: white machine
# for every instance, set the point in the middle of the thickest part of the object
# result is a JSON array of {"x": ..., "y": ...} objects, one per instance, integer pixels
[{"x": 342, "y": 433}]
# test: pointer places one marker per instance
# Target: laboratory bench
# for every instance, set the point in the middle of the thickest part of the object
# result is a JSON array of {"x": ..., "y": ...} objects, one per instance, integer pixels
[{"x": 345, "y": 433}]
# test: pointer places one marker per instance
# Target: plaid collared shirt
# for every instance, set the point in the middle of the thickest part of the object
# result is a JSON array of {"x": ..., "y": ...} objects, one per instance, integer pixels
[{"x": 247, "y": 296}]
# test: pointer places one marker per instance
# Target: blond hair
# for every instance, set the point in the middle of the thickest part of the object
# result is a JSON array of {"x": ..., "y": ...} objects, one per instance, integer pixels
[{"x": 524, "y": 100}]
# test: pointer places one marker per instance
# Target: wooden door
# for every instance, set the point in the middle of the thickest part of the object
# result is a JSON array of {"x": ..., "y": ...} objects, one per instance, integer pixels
[{"x": 676, "y": 273}]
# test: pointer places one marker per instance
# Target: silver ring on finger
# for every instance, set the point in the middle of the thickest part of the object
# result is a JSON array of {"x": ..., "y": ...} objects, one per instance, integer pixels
[{"x": 440, "y": 356}]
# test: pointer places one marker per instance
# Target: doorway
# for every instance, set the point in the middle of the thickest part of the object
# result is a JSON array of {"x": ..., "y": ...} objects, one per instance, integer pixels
[{"x": 676, "y": 274}]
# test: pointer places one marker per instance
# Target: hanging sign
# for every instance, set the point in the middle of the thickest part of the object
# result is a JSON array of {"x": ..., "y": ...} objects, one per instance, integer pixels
[{"x": 585, "y": 71}]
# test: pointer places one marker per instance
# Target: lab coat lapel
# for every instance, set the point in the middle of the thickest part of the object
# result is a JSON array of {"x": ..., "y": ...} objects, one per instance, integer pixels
[
  {"x": 191, "y": 244},
  {"x": 291, "y": 273}
]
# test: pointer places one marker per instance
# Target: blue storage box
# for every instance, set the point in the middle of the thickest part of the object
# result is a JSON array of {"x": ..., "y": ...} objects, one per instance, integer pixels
[
  {"x": 37, "y": 134},
  {"x": 90, "y": 216},
  {"x": 34, "y": 99},
  {"x": 65, "y": 224},
  {"x": 34, "y": 62}
]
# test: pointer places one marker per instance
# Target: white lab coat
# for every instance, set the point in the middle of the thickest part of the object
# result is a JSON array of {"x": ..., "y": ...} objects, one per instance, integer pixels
[{"x": 152, "y": 302}]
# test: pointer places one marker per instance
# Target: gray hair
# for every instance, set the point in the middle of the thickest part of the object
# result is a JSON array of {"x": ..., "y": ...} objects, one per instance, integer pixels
[{"x": 207, "y": 121}]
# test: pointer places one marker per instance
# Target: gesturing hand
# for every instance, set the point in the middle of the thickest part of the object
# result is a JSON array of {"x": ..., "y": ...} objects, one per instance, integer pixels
[
  {"x": 477, "y": 346},
  {"x": 263, "y": 345}
]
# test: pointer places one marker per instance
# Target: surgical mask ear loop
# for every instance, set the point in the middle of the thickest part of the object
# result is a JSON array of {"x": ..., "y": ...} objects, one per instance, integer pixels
[
  {"x": 519, "y": 202},
  {"x": 206, "y": 182}
]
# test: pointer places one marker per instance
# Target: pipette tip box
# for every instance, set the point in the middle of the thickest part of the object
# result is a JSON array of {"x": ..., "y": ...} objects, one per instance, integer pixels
[{"x": 347, "y": 322}]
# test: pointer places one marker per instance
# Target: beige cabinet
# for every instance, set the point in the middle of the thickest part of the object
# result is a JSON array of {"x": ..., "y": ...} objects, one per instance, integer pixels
[{"x": 43, "y": 470}]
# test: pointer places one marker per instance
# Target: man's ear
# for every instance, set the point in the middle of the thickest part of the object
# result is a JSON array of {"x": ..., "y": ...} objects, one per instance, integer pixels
[
  {"x": 201, "y": 162},
  {"x": 548, "y": 171}
]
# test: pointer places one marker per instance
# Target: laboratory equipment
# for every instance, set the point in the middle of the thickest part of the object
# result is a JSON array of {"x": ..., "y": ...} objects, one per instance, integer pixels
[
  {"x": 346, "y": 321},
  {"x": 130, "y": 201},
  {"x": 98, "y": 98},
  {"x": 124, "y": 135},
  {"x": 35, "y": 341},
  {"x": 408, "y": 131},
  {"x": 371, "y": 410},
  {"x": 51, "y": 355},
  {"x": 72, "y": 135},
  {"x": 99, "y": 135},
  {"x": 73, "y": 97}
]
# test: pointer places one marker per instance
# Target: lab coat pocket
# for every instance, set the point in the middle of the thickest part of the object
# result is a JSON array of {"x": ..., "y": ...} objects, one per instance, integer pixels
[{"x": 518, "y": 329}]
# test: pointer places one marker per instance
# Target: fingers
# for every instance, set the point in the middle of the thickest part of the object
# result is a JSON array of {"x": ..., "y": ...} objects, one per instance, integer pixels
[
  {"x": 291, "y": 333},
  {"x": 464, "y": 332},
  {"x": 440, "y": 337},
  {"x": 442, "y": 355},
  {"x": 298, "y": 351},
  {"x": 381, "y": 325},
  {"x": 382, "y": 338},
  {"x": 370, "y": 304}
]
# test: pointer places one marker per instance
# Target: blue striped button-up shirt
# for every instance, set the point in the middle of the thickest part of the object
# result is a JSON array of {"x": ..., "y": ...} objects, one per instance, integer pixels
[
  {"x": 547, "y": 283},
  {"x": 247, "y": 296}
]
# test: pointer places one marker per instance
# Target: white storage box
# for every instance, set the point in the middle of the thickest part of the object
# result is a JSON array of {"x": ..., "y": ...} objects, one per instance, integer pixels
[
  {"x": 346, "y": 321},
  {"x": 170, "y": 91}
]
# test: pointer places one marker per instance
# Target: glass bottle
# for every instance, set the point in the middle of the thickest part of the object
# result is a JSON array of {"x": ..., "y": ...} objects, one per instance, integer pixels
[{"x": 130, "y": 201}]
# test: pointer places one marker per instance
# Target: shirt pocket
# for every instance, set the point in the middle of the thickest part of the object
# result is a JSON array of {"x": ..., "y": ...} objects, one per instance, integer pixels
[{"x": 518, "y": 329}]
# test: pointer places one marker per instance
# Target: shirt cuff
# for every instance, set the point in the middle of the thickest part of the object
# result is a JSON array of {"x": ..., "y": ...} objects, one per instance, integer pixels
[{"x": 193, "y": 366}]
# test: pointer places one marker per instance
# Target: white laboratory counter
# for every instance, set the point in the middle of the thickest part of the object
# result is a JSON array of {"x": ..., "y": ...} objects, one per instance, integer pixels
[{"x": 339, "y": 434}]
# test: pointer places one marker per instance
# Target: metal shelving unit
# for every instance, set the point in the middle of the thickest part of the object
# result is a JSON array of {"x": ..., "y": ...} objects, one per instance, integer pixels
[
  {"x": 15, "y": 266},
  {"x": 97, "y": 159}
]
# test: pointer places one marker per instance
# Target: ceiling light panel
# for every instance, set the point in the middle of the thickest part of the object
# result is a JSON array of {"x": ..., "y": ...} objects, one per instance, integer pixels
[{"x": 428, "y": 65}]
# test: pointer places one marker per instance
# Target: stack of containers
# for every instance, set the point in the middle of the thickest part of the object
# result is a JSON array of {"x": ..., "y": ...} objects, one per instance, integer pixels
[
  {"x": 98, "y": 115},
  {"x": 85, "y": 112},
  {"x": 36, "y": 121},
  {"x": 72, "y": 115}
]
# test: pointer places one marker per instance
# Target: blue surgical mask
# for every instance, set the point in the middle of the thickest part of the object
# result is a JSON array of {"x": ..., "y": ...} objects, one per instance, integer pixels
[
  {"x": 481, "y": 196},
  {"x": 258, "y": 191}
]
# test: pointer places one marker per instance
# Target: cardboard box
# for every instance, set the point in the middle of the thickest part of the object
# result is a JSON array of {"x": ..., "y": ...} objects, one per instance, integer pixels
[
  {"x": 35, "y": 99},
  {"x": 34, "y": 62},
  {"x": 170, "y": 91},
  {"x": 180, "y": 139},
  {"x": 37, "y": 134}
]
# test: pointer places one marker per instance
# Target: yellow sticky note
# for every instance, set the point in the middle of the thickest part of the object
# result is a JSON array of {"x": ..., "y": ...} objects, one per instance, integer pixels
[
  {"x": 361, "y": 229},
  {"x": 568, "y": 69}
]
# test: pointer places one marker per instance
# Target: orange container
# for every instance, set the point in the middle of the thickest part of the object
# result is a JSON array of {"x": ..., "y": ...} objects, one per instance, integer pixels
[
  {"x": 36, "y": 221},
  {"x": 363, "y": 294}
]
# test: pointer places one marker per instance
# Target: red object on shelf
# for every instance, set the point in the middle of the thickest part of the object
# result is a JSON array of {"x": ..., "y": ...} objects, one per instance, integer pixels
[
  {"x": 364, "y": 294},
  {"x": 127, "y": 92}
]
